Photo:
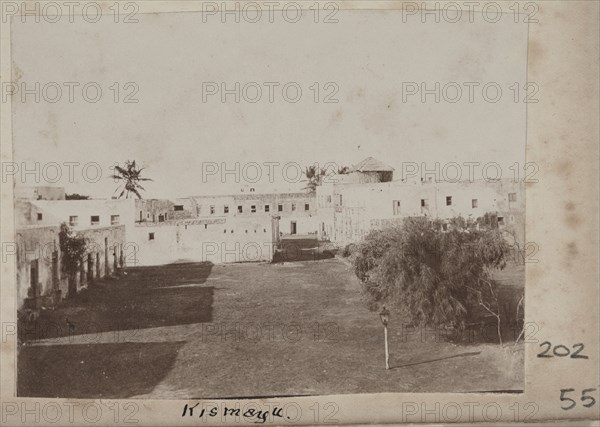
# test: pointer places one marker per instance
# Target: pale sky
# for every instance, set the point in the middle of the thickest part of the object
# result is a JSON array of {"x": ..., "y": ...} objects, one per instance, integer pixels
[{"x": 171, "y": 131}]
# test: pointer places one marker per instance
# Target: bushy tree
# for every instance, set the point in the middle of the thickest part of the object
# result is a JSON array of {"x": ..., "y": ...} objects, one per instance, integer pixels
[{"x": 436, "y": 273}]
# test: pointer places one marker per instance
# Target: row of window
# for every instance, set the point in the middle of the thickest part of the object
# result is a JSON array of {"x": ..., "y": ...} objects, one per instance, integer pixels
[
  {"x": 253, "y": 208},
  {"x": 115, "y": 219},
  {"x": 94, "y": 220},
  {"x": 151, "y": 236},
  {"x": 161, "y": 217},
  {"x": 512, "y": 197}
]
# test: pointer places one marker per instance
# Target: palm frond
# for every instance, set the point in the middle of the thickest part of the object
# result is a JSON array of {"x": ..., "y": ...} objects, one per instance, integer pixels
[{"x": 137, "y": 193}]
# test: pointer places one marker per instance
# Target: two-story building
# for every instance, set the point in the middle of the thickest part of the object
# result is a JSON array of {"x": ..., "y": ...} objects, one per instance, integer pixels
[{"x": 349, "y": 206}]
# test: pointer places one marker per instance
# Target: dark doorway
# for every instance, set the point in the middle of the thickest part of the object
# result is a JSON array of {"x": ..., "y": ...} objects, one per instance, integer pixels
[
  {"x": 293, "y": 227},
  {"x": 34, "y": 277},
  {"x": 90, "y": 268},
  {"x": 115, "y": 259},
  {"x": 106, "y": 265},
  {"x": 82, "y": 274},
  {"x": 55, "y": 280}
]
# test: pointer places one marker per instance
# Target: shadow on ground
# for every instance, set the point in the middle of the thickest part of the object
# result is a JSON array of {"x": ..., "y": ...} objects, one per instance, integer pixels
[
  {"x": 146, "y": 297},
  {"x": 299, "y": 249},
  {"x": 115, "y": 370}
]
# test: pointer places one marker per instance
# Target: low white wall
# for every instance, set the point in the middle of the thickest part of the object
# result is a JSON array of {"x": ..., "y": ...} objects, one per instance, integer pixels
[{"x": 217, "y": 241}]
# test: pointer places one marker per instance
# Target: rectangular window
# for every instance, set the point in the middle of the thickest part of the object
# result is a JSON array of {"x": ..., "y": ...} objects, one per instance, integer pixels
[
  {"x": 73, "y": 220},
  {"x": 178, "y": 207},
  {"x": 240, "y": 209},
  {"x": 39, "y": 216},
  {"x": 267, "y": 208},
  {"x": 280, "y": 208},
  {"x": 423, "y": 203},
  {"x": 150, "y": 236},
  {"x": 306, "y": 206},
  {"x": 500, "y": 220},
  {"x": 166, "y": 216},
  {"x": 212, "y": 209},
  {"x": 448, "y": 200},
  {"x": 341, "y": 200},
  {"x": 253, "y": 208},
  {"x": 293, "y": 206},
  {"x": 512, "y": 197},
  {"x": 396, "y": 206},
  {"x": 115, "y": 219},
  {"x": 474, "y": 203},
  {"x": 226, "y": 209},
  {"x": 328, "y": 199},
  {"x": 95, "y": 219}
]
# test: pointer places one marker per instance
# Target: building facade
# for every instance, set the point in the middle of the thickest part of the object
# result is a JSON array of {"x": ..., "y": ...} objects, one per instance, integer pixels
[
  {"x": 41, "y": 192},
  {"x": 40, "y": 277},
  {"x": 297, "y": 212},
  {"x": 349, "y": 207}
]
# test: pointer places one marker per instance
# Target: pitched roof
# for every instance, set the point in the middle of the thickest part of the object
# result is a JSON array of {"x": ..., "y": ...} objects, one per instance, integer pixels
[{"x": 371, "y": 164}]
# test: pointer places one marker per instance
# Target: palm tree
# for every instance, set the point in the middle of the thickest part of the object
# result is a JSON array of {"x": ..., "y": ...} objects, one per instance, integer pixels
[
  {"x": 314, "y": 177},
  {"x": 131, "y": 179}
]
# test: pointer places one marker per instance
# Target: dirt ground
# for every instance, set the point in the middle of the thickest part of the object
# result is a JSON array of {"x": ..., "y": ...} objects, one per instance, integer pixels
[{"x": 295, "y": 327}]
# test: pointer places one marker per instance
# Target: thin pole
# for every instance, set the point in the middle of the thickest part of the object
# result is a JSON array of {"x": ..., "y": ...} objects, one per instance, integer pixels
[{"x": 387, "y": 356}]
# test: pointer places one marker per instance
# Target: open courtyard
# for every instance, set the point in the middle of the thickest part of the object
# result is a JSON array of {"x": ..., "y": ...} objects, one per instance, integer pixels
[{"x": 197, "y": 330}]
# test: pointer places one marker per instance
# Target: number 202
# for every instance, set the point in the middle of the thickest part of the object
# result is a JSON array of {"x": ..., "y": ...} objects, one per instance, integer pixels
[{"x": 562, "y": 351}]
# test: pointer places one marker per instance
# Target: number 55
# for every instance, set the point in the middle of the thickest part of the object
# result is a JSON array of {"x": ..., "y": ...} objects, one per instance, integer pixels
[{"x": 584, "y": 397}]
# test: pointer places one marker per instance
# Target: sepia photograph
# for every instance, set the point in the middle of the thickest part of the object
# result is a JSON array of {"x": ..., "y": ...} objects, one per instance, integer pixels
[{"x": 259, "y": 200}]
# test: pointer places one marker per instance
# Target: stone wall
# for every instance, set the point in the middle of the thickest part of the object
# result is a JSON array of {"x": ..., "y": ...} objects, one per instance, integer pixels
[
  {"x": 38, "y": 253},
  {"x": 37, "y": 250}
]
